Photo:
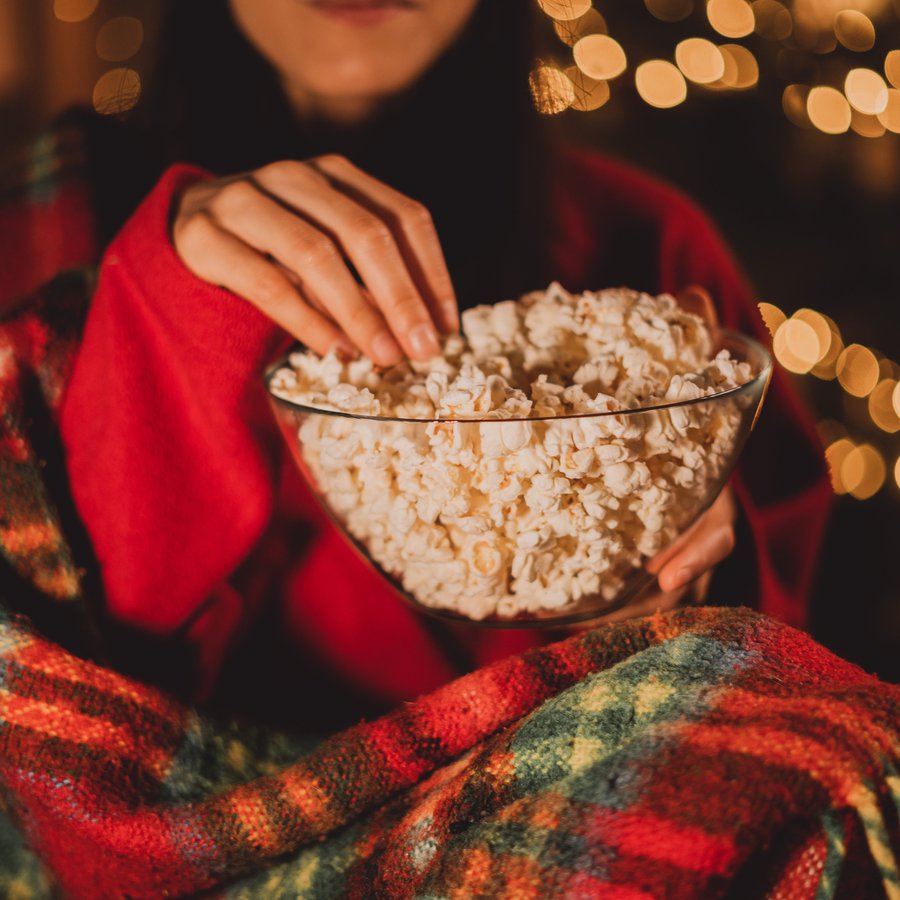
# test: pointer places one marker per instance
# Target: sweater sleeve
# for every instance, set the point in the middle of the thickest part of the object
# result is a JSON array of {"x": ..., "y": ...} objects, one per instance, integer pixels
[
  {"x": 171, "y": 451},
  {"x": 781, "y": 481}
]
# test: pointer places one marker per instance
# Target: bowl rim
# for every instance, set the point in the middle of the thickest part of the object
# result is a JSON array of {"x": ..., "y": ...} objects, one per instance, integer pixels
[{"x": 719, "y": 336}]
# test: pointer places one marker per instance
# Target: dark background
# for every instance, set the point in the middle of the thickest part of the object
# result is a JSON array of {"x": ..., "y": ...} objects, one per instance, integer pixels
[{"x": 814, "y": 218}]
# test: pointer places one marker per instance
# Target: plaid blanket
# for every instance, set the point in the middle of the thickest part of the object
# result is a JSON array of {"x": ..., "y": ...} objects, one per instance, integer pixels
[{"x": 700, "y": 753}]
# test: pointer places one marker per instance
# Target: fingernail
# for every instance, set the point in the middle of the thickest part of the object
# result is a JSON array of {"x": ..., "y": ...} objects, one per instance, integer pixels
[
  {"x": 385, "y": 349},
  {"x": 682, "y": 577},
  {"x": 424, "y": 342},
  {"x": 345, "y": 350}
]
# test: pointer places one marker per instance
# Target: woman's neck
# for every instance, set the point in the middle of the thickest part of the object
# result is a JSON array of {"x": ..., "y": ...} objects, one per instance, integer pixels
[{"x": 342, "y": 112}]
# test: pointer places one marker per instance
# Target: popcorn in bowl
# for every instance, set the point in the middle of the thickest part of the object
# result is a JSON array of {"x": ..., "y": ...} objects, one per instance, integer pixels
[{"x": 531, "y": 468}]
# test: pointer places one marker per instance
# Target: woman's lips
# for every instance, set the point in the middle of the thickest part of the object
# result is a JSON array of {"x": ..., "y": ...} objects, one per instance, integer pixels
[{"x": 362, "y": 12}]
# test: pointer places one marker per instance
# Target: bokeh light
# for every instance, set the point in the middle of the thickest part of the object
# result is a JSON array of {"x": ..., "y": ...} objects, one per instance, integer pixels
[
  {"x": 863, "y": 472},
  {"x": 670, "y": 10},
  {"x": 700, "y": 60},
  {"x": 881, "y": 406},
  {"x": 551, "y": 91},
  {"x": 794, "y": 103},
  {"x": 796, "y": 346},
  {"x": 828, "y": 110},
  {"x": 867, "y": 126},
  {"x": 772, "y": 316},
  {"x": 835, "y": 454},
  {"x": 599, "y": 56},
  {"x": 854, "y": 30},
  {"x": 890, "y": 117},
  {"x": 74, "y": 10},
  {"x": 120, "y": 38},
  {"x": 866, "y": 91},
  {"x": 731, "y": 18},
  {"x": 589, "y": 93},
  {"x": 660, "y": 84},
  {"x": 571, "y": 32},
  {"x": 741, "y": 71},
  {"x": 892, "y": 67},
  {"x": 773, "y": 20},
  {"x": 897, "y": 472},
  {"x": 857, "y": 370},
  {"x": 117, "y": 91},
  {"x": 565, "y": 9}
]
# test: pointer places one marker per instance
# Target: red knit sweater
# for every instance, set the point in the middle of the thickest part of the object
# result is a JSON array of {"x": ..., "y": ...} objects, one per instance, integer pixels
[{"x": 196, "y": 514}]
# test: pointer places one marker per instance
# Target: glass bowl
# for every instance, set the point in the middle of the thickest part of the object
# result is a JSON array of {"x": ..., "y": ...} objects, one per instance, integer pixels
[{"x": 537, "y": 522}]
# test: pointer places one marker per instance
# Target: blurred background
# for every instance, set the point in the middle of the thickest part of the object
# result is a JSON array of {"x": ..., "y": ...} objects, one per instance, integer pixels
[{"x": 781, "y": 118}]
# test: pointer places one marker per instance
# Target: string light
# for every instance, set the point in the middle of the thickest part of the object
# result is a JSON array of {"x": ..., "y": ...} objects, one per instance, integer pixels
[
  {"x": 660, "y": 84},
  {"x": 117, "y": 91},
  {"x": 670, "y": 10},
  {"x": 773, "y": 20},
  {"x": 863, "y": 472},
  {"x": 700, "y": 60},
  {"x": 857, "y": 370},
  {"x": 828, "y": 110},
  {"x": 589, "y": 93},
  {"x": 599, "y": 56},
  {"x": 881, "y": 406},
  {"x": 890, "y": 118},
  {"x": 866, "y": 91},
  {"x": 551, "y": 91},
  {"x": 892, "y": 67},
  {"x": 571, "y": 32},
  {"x": 854, "y": 30},
  {"x": 565, "y": 9},
  {"x": 120, "y": 38},
  {"x": 731, "y": 18},
  {"x": 74, "y": 10}
]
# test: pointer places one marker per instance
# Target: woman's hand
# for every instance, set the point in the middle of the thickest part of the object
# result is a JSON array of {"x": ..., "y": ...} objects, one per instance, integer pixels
[
  {"x": 285, "y": 236},
  {"x": 689, "y": 562}
]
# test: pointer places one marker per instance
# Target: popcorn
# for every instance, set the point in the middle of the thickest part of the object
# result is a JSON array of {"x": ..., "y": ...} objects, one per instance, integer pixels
[{"x": 539, "y": 503}]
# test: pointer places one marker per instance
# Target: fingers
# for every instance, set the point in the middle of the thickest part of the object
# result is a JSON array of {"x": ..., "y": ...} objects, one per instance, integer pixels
[
  {"x": 314, "y": 260},
  {"x": 219, "y": 257},
  {"x": 413, "y": 230},
  {"x": 709, "y": 545},
  {"x": 696, "y": 300},
  {"x": 368, "y": 242}
]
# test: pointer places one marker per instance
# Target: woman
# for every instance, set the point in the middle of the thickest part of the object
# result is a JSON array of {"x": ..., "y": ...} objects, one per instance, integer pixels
[{"x": 303, "y": 131}]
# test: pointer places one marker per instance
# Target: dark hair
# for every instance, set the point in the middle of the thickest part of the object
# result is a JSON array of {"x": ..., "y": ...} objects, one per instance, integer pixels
[{"x": 465, "y": 139}]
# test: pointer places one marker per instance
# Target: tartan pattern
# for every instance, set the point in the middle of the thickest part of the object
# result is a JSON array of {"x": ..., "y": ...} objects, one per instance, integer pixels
[{"x": 700, "y": 753}]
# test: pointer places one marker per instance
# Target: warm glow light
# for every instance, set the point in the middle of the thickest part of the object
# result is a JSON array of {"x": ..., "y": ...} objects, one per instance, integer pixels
[
  {"x": 825, "y": 367},
  {"x": 897, "y": 471},
  {"x": 890, "y": 118},
  {"x": 773, "y": 20},
  {"x": 741, "y": 69},
  {"x": 772, "y": 316},
  {"x": 828, "y": 110},
  {"x": 793, "y": 102},
  {"x": 120, "y": 38},
  {"x": 796, "y": 346},
  {"x": 867, "y": 126},
  {"x": 572, "y": 32},
  {"x": 863, "y": 472},
  {"x": 892, "y": 67},
  {"x": 857, "y": 370},
  {"x": 835, "y": 455},
  {"x": 670, "y": 10},
  {"x": 732, "y": 18},
  {"x": 823, "y": 332},
  {"x": 589, "y": 94},
  {"x": 700, "y": 60},
  {"x": 74, "y": 10},
  {"x": 117, "y": 91},
  {"x": 854, "y": 30},
  {"x": 896, "y": 400},
  {"x": 565, "y": 9},
  {"x": 866, "y": 91},
  {"x": 551, "y": 91},
  {"x": 660, "y": 84},
  {"x": 599, "y": 56},
  {"x": 881, "y": 406}
]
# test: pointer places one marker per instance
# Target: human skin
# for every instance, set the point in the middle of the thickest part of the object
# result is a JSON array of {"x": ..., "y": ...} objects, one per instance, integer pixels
[{"x": 284, "y": 236}]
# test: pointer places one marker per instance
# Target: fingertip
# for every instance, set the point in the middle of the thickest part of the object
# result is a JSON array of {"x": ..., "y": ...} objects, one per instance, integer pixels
[
  {"x": 385, "y": 350},
  {"x": 423, "y": 342},
  {"x": 672, "y": 579}
]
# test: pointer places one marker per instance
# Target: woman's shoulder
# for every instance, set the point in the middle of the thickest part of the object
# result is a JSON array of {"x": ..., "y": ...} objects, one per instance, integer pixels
[{"x": 594, "y": 179}]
